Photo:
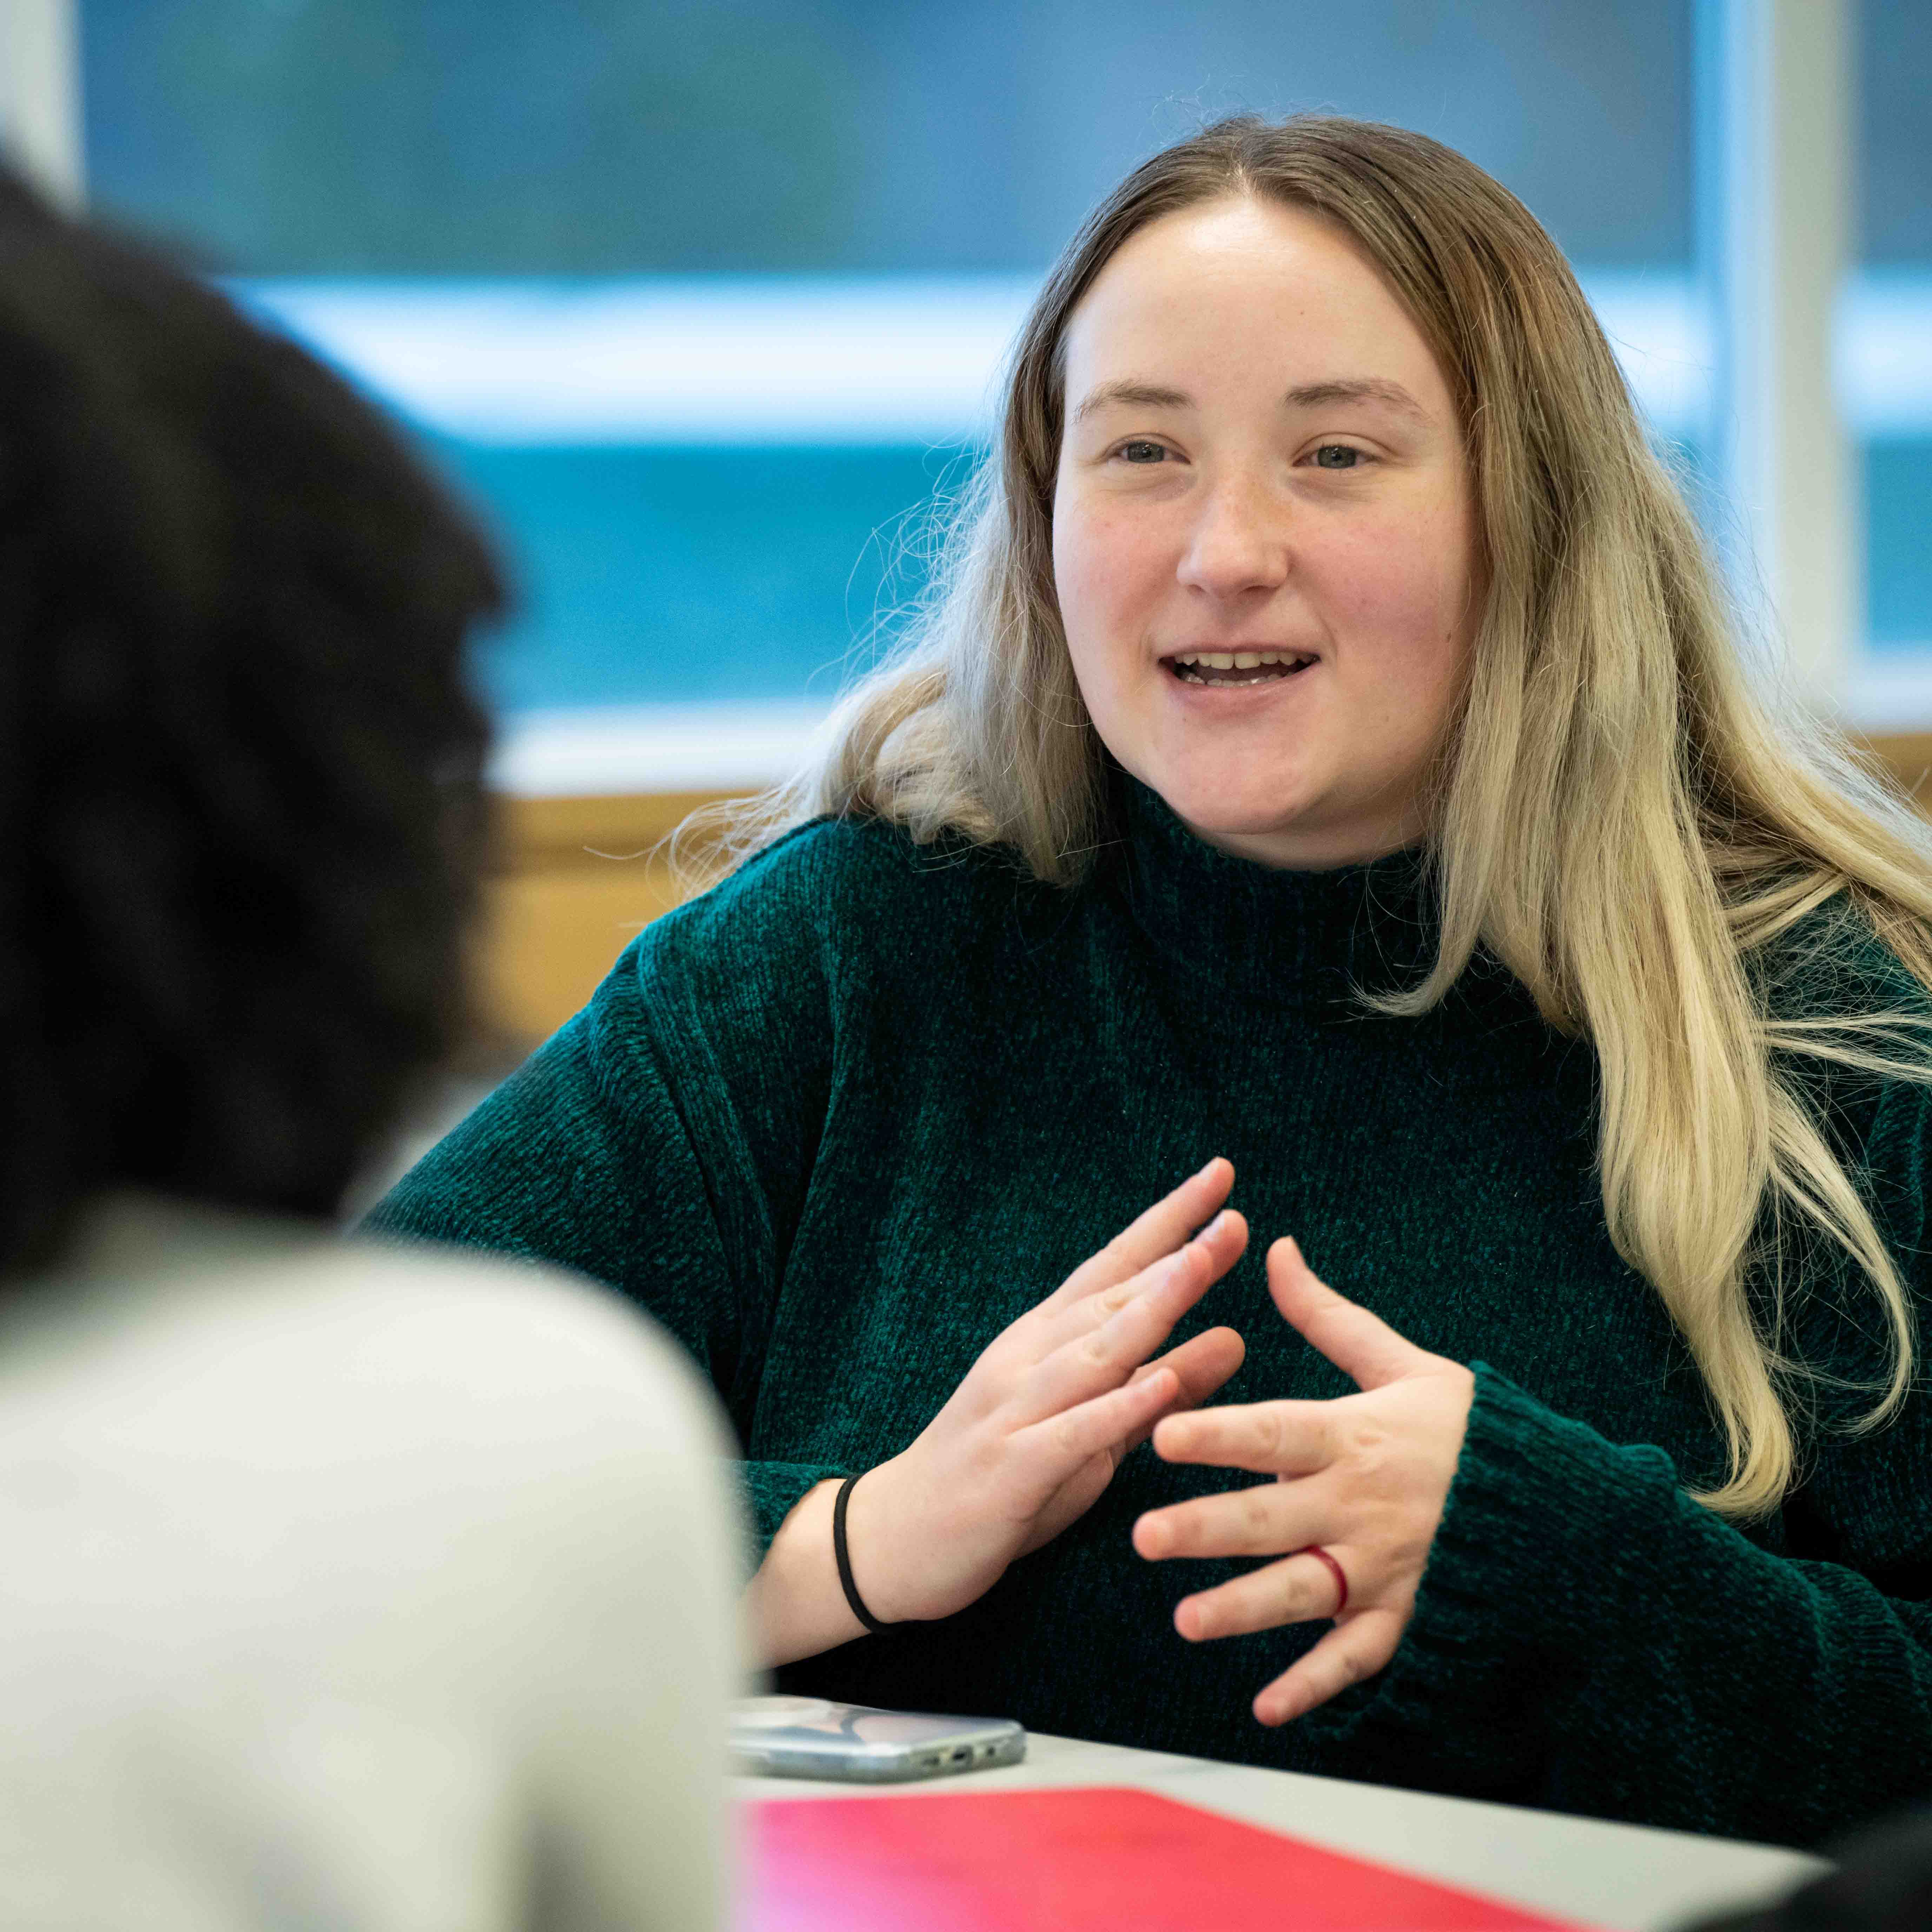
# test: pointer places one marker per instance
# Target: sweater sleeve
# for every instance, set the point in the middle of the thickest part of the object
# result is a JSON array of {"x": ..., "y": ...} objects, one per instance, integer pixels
[
  {"x": 660, "y": 1142},
  {"x": 1587, "y": 1636}
]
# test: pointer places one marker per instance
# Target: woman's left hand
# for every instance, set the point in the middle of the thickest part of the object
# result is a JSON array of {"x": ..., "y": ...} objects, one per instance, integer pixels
[{"x": 1364, "y": 1476}]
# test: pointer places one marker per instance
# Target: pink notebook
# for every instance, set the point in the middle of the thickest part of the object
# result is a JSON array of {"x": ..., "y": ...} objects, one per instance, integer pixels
[{"x": 1081, "y": 1860}]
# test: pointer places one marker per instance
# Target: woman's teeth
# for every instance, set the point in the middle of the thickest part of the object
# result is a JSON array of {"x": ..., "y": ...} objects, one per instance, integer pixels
[{"x": 1224, "y": 667}]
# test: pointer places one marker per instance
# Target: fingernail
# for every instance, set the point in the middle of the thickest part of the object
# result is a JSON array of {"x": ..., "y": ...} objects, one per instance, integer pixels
[{"x": 1220, "y": 1222}]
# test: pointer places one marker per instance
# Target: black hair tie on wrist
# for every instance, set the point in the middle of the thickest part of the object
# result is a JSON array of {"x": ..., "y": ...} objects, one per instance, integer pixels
[{"x": 844, "y": 1557}]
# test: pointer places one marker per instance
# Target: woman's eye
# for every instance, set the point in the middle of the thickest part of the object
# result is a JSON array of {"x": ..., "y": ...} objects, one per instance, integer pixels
[
  {"x": 1143, "y": 452},
  {"x": 1337, "y": 456}
]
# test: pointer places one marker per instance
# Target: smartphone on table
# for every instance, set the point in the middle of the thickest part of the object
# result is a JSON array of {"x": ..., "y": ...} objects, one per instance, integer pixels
[{"x": 811, "y": 1737}]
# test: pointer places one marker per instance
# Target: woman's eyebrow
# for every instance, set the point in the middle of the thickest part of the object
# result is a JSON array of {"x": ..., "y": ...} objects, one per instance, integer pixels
[
  {"x": 1134, "y": 395},
  {"x": 1356, "y": 389}
]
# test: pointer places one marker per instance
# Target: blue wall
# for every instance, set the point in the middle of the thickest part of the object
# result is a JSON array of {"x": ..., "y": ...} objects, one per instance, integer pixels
[{"x": 668, "y": 574}]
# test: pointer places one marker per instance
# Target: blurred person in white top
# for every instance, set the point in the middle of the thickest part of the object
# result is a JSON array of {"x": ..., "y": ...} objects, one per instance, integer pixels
[{"x": 346, "y": 1587}]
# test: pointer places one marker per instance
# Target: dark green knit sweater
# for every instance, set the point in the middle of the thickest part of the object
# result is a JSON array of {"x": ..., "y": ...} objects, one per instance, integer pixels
[{"x": 840, "y": 1120}]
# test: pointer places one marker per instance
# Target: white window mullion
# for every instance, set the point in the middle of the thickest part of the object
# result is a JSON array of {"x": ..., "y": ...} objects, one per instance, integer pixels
[{"x": 1775, "y": 139}]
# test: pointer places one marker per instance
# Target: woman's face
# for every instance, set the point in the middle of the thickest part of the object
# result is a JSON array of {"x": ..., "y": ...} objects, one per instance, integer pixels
[{"x": 1262, "y": 462}]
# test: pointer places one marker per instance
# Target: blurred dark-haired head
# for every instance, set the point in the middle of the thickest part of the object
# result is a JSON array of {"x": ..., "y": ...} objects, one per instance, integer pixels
[{"x": 241, "y": 769}]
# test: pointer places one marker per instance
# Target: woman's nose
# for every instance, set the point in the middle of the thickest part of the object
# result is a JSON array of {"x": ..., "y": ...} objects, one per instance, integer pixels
[{"x": 1239, "y": 543}]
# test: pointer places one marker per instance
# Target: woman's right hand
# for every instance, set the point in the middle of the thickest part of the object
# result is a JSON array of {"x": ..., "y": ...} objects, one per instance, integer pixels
[{"x": 1029, "y": 1440}]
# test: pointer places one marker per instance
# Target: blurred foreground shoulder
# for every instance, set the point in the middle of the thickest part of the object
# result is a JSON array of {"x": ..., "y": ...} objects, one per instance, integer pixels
[{"x": 412, "y": 1573}]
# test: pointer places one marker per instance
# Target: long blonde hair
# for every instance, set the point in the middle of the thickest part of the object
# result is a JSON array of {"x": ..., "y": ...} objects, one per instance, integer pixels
[{"x": 1620, "y": 814}]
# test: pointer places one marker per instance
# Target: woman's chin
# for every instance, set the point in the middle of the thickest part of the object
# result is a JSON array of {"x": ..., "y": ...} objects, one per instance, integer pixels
[
  {"x": 1256, "y": 804},
  {"x": 1252, "y": 826},
  {"x": 1300, "y": 838}
]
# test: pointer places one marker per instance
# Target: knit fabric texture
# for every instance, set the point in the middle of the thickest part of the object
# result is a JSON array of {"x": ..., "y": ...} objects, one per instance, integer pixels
[{"x": 838, "y": 1122}]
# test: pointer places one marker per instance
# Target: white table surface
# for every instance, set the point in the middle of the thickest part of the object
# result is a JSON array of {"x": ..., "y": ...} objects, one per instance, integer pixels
[{"x": 1628, "y": 1877}]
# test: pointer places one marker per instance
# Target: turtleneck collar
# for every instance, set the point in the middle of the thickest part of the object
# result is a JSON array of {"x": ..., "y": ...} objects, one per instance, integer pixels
[{"x": 1302, "y": 938}]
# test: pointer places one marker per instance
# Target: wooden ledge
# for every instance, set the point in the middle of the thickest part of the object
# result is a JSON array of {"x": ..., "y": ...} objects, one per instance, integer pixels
[{"x": 548, "y": 834}]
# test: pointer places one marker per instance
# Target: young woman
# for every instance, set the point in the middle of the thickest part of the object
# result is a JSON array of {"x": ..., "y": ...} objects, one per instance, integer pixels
[
  {"x": 348, "y": 1587},
  {"x": 1324, "y": 749}
]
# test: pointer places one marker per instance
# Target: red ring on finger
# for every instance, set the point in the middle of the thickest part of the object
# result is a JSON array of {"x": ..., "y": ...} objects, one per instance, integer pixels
[{"x": 1335, "y": 1570}]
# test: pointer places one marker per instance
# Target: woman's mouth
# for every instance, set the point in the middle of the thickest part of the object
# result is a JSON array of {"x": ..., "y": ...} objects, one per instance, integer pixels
[{"x": 1237, "y": 667}]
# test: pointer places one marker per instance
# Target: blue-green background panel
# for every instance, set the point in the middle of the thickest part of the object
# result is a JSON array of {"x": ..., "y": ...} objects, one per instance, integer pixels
[
  {"x": 1898, "y": 536},
  {"x": 664, "y": 575}
]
